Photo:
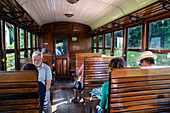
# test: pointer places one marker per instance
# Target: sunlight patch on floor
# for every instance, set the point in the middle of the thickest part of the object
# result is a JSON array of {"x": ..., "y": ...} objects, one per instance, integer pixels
[{"x": 63, "y": 101}]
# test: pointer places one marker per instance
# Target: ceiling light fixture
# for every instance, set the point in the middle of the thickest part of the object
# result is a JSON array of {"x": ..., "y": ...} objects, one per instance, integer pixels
[
  {"x": 72, "y": 1},
  {"x": 69, "y": 14}
]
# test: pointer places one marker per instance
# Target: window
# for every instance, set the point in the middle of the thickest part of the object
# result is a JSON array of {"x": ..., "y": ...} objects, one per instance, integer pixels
[
  {"x": 9, "y": 36},
  {"x": 22, "y": 41},
  {"x": 10, "y": 46},
  {"x": 107, "y": 44},
  {"x": 118, "y": 42},
  {"x": 100, "y": 41},
  {"x": 94, "y": 41},
  {"x": 135, "y": 38},
  {"x": 94, "y": 50},
  {"x": 61, "y": 46},
  {"x": 34, "y": 41},
  {"x": 94, "y": 44},
  {"x": 29, "y": 54},
  {"x": 159, "y": 35},
  {"x": 37, "y": 41},
  {"x": 117, "y": 52},
  {"x": 29, "y": 40},
  {"x": 162, "y": 60},
  {"x": 107, "y": 52},
  {"x": 22, "y": 54},
  {"x": 100, "y": 51},
  {"x": 10, "y": 61},
  {"x": 108, "y": 40}
]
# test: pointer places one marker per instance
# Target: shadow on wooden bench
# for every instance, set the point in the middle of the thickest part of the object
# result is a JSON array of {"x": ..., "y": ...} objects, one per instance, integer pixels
[
  {"x": 136, "y": 90},
  {"x": 96, "y": 72},
  {"x": 19, "y": 92}
]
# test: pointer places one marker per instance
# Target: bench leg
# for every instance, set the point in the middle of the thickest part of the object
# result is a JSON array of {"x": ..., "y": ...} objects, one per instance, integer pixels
[
  {"x": 94, "y": 103},
  {"x": 87, "y": 106}
]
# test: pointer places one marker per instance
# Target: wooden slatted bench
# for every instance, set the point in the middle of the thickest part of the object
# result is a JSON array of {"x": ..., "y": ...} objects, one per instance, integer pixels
[
  {"x": 139, "y": 90},
  {"x": 96, "y": 72},
  {"x": 19, "y": 92},
  {"x": 80, "y": 59}
]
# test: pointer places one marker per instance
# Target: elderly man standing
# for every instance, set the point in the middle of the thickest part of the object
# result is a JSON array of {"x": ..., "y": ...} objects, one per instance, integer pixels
[
  {"x": 44, "y": 76},
  {"x": 146, "y": 58}
]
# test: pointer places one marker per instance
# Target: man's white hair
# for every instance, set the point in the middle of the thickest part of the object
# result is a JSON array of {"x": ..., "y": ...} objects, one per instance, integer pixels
[{"x": 37, "y": 53}]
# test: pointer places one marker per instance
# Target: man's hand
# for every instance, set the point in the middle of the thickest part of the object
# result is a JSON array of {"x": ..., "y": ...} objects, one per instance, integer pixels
[{"x": 48, "y": 84}]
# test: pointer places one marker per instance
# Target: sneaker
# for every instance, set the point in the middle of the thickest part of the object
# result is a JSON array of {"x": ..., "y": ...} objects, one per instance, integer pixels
[{"x": 74, "y": 100}]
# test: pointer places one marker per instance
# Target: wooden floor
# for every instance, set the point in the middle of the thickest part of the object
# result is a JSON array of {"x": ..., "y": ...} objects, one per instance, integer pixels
[{"x": 63, "y": 93}]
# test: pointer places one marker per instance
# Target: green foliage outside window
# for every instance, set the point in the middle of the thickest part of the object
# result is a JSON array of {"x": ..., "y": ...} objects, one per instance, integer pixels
[
  {"x": 33, "y": 41},
  {"x": 29, "y": 40},
  {"x": 100, "y": 40},
  {"x": 135, "y": 37},
  {"x": 12, "y": 39},
  {"x": 10, "y": 45},
  {"x": 162, "y": 60},
  {"x": 159, "y": 35},
  {"x": 132, "y": 56},
  {"x": 94, "y": 50},
  {"x": 22, "y": 54},
  {"x": 94, "y": 41},
  {"x": 117, "y": 52},
  {"x": 100, "y": 50},
  {"x": 118, "y": 39},
  {"x": 21, "y": 38},
  {"x": 10, "y": 61},
  {"x": 29, "y": 53},
  {"x": 107, "y": 52},
  {"x": 108, "y": 40}
]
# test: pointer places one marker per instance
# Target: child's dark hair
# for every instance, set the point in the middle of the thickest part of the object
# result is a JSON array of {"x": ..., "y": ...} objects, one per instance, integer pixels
[
  {"x": 29, "y": 66},
  {"x": 117, "y": 62}
]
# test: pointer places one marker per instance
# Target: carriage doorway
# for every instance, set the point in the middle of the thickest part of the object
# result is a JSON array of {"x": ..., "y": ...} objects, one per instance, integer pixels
[{"x": 61, "y": 59}]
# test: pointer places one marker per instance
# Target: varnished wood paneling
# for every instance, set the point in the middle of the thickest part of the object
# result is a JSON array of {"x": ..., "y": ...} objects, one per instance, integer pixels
[
  {"x": 62, "y": 70},
  {"x": 69, "y": 29}
]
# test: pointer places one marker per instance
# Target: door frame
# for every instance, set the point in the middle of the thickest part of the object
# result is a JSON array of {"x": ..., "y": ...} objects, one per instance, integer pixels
[{"x": 68, "y": 50}]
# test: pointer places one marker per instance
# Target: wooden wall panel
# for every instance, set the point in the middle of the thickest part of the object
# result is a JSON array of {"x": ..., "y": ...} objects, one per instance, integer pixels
[
  {"x": 58, "y": 68},
  {"x": 64, "y": 63}
]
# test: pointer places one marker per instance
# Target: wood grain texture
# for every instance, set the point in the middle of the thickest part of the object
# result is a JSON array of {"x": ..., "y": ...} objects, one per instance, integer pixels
[
  {"x": 19, "y": 92},
  {"x": 139, "y": 90}
]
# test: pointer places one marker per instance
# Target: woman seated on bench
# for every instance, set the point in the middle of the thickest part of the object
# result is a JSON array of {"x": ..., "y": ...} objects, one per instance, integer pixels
[{"x": 117, "y": 62}]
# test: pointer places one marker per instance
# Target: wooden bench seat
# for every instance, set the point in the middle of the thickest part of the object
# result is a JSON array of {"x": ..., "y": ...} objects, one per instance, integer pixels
[
  {"x": 139, "y": 90},
  {"x": 80, "y": 59},
  {"x": 19, "y": 92},
  {"x": 96, "y": 72}
]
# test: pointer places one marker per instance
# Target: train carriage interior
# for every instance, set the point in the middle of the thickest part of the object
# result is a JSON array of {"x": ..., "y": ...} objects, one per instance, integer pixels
[{"x": 85, "y": 34}]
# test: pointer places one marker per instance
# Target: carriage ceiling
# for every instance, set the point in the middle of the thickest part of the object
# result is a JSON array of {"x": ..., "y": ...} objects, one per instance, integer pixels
[{"x": 94, "y": 13}]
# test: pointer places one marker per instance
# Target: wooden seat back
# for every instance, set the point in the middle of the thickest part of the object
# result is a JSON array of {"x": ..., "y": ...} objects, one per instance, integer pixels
[
  {"x": 19, "y": 92},
  {"x": 139, "y": 90},
  {"x": 80, "y": 59},
  {"x": 96, "y": 72},
  {"x": 47, "y": 58}
]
